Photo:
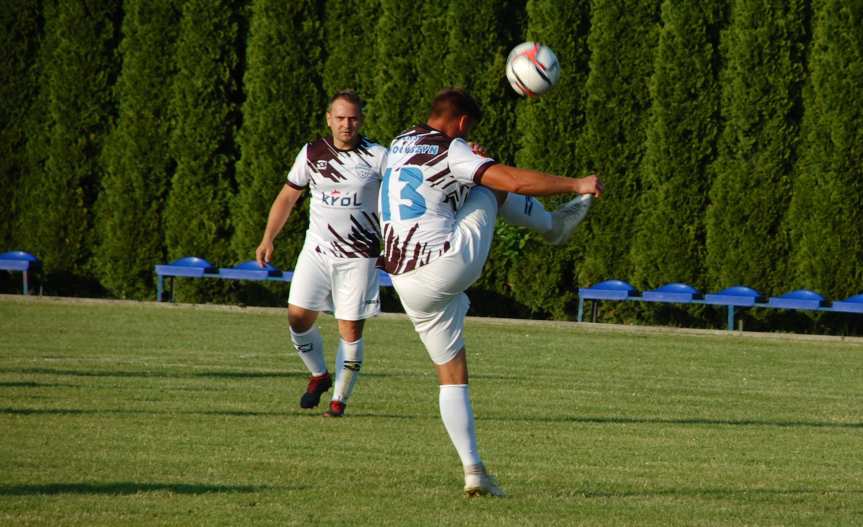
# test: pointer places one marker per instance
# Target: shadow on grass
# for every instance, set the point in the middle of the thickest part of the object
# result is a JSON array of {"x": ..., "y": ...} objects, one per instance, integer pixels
[
  {"x": 681, "y": 421},
  {"x": 717, "y": 493},
  {"x": 123, "y": 488},
  {"x": 314, "y": 413},
  {"x": 35, "y": 385},
  {"x": 170, "y": 375},
  {"x": 560, "y": 419},
  {"x": 157, "y": 374}
]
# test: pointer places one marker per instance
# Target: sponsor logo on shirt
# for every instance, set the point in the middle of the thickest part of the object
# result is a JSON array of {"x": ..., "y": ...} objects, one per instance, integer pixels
[{"x": 334, "y": 198}]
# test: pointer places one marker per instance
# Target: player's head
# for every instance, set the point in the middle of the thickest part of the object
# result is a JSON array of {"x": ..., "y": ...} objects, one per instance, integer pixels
[
  {"x": 345, "y": 118},
  {"x": 454, "y": 112}
]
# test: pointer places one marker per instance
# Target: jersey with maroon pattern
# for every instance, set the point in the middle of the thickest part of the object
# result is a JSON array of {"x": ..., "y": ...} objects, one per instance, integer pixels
[
  {"x": 343, "y": 185},
  {"x": 427, "y": 177}
]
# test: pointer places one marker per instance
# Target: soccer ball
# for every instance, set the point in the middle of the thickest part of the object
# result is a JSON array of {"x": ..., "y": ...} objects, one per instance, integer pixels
[{"x": 532, "y": 68}]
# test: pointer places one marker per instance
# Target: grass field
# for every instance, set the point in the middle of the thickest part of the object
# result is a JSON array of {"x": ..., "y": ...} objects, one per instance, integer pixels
[{"x": 139, "y": 414}]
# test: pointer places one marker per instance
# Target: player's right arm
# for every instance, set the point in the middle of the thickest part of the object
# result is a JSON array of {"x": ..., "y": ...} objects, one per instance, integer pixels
[
  {"x": 535, "y": 183},
  {"x": 279, "y": 213}
]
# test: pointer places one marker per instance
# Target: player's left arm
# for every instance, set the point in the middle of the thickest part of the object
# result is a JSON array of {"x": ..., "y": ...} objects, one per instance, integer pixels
[{"x": 535, "y": 183}]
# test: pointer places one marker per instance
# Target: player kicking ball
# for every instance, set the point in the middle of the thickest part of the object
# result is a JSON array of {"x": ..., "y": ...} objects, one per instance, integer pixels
[
  {"x": 336, "y": 269},
  {"x": 439, "y": 202}
]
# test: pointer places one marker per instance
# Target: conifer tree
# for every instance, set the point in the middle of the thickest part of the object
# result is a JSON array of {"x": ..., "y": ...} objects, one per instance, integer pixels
[
  {"x": 137, "y": 160},
  {"x": 20, "y": 34},
  {"x": 761, "y": 107},
  {"x": 623, "y": 36},
  {"x": 284, "y": 108},
  {"x": 430, "y": 60},
  {"x": 546, "y": 133},
  {"x": 205, "y": 101},
  {"x": 825, "y": 218},
  {"x": 481, "y": 35},
  {"x": 398, "y": 37},
  {"x": 349, "y": 35},
  {"x": 77, "y": 74},
  {"x": 669, "y": 243}
]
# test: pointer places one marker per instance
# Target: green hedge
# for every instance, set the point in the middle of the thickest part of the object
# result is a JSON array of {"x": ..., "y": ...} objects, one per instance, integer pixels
[
  {"x": 137, "y": 160},
  {"x": 205, "y": 101},
  {"x": 77, "y": 72},
  {"x": 547, "y": 129},
  {"x": 764, "y": 48},
  {"x": 727, "y": 133},
  {"x": 622, "y": 40},
  {"x": 350, "y": 52},
  {"x": 21, "y": 24},
  {"x": 669, "y": 237},
  {"x": 826, "y": 218},
  {"x": 284, "y": 60}
]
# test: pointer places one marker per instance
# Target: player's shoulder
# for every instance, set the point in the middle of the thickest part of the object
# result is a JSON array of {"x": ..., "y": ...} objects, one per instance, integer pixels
[
  {"x": 459, "y": 146},
  {"x": 371, "y": 147},
  {"x": 318, "y": 149}
]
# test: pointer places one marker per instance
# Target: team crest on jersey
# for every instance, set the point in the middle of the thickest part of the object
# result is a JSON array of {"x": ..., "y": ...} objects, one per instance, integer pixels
[{"x": 322, "y": 164}]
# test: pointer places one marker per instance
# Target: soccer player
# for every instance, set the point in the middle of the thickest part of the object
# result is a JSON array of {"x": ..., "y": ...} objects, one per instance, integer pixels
[
  {"x": 439, "y": 201},
  {"x": 336, "y": 269}
]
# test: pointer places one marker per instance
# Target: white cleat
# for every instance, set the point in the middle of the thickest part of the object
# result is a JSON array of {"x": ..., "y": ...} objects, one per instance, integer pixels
[
  {"x": 565, "y": 219},
  {"x": 477, "y": 482}
]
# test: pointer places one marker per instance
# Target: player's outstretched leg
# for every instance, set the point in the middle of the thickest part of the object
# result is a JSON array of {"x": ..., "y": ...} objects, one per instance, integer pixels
[
  {"x": 565, "y": 219},
  {"x": 555, "y": 227},
  {"x": 349, "y": 361},
  {"x": 310, "y": 348}
]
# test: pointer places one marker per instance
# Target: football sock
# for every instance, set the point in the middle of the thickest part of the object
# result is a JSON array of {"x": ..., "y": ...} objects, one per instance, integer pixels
[
  {"x": 349, "y": 360},
  {"x": 457, "y": 415},
  {"x": 525, "y": 211},
  {"x": 310, "y": 348}
]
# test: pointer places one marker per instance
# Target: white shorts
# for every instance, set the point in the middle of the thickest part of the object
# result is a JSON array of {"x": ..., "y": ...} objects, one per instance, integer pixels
[
  {"x": 346, "y": 287},
  {"x": 433, "y": 295}
]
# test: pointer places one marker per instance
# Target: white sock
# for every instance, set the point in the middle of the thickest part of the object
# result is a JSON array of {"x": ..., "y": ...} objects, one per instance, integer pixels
[
  {"x": 525, "y": 211},
  {"x": 349, "y": 360},
  {"x": 310, "y": 348},
  {"x": 457, "y": 415}
]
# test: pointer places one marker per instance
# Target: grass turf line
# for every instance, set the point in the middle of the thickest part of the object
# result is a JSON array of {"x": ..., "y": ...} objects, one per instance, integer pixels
[{"x": 136, "y": 414}]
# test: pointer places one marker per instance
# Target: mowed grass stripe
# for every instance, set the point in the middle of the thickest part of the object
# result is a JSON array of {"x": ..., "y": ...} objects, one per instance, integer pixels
[{"x": 137, "y": 414}]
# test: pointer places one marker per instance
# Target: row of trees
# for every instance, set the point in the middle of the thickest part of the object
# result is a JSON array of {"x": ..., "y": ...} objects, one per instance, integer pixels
[{"x": 728, "y": 132}]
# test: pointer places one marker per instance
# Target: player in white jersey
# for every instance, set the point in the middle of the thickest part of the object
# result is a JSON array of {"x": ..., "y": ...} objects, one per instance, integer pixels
[
  {"x": 336, "y": 269},
  {"x": 439, "y": 201}
]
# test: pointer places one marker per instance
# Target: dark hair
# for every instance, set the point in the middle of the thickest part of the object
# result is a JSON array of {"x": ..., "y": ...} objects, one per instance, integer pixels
[
  {"x": 455, "y": 102},
  {"x": 348, "y": 95}
]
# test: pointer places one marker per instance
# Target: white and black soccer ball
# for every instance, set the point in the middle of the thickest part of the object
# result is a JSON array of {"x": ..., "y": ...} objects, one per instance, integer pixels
[{"x": 532, "y": 69}]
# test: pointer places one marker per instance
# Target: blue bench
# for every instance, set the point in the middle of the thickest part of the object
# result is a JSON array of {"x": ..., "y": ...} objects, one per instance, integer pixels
[
  {"x": 194, "y": 267},
  {"x": 21, "y": 262},
  {"x": 731, "y": 298}
]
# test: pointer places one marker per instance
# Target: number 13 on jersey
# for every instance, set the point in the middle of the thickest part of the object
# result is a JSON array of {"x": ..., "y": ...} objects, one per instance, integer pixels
[{"x": 412, "y": 177}]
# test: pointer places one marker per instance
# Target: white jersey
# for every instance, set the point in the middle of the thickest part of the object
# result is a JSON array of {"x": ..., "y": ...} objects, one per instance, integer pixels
[
  {"x": 427, "y": 176},
  {"x": 343, "y": 187}
]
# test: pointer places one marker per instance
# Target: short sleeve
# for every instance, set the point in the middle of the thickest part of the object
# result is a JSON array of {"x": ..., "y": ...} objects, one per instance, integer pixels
[
  {"x": 381, "y": 161},
  {"x": 298, "y": 177},
  {"x": 465, "y": 165}
]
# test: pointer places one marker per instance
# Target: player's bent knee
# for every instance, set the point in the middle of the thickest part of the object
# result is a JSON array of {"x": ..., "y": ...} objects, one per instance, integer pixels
[
  {"x": 351, "y": 330},
  {"x": 301, "y": 319},
  {"x": 454, "y": 371}
]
